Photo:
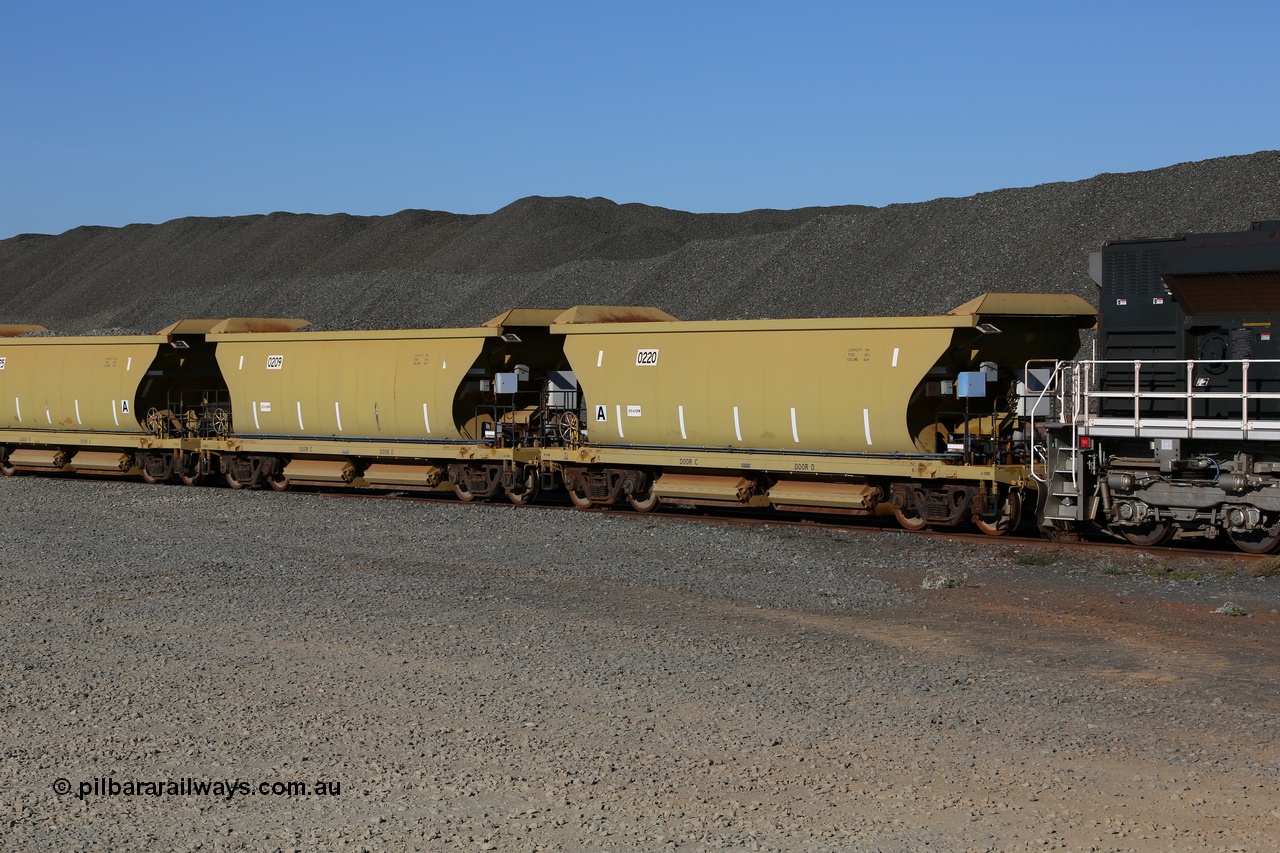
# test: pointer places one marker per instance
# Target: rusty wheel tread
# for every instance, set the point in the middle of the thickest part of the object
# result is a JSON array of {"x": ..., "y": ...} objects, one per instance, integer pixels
[
  {"x": 1009, "y": 519},
  {"x": 1150, "y": 536},
  {"x": 1255, "y": 542},
  {"x": 909, "y": 522},
  {"x": 526, "y": 495},
  {"x": 648, "y": 503}
]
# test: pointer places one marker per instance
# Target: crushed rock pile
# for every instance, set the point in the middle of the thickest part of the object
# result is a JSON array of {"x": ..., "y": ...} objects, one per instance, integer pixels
[{"x": 428, "y": 268}]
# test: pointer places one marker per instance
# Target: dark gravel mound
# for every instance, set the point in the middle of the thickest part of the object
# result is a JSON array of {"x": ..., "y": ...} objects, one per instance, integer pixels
[
  {"x": 428, "y": 268},
  {"x": 535, "y": 234}
]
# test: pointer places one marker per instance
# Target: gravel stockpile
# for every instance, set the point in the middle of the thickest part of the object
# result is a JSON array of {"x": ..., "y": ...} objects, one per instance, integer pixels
[
  {"x": 488, "y": 678},
  {"x": 426, "y": 268}
]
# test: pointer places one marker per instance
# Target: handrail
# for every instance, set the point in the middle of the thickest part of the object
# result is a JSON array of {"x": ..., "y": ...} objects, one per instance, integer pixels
[
  {"x": 1087, "y": 397},
  {"x": 1055, "y": 391}
]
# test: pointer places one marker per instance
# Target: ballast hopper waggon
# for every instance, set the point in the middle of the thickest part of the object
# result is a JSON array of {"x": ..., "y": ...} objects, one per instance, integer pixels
[
  {"x": 920, "y": 417},
  {"x": 912, "y": 415}
]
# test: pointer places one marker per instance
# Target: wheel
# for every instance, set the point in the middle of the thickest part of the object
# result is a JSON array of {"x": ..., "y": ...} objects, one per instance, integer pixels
[
  {"x": 1010, "y": 516},
  {"x": 7, "y": 469},
  {"x": 152, "y": 479},
  {"x": 1150, "y": 535},
  {"x": 580, "y": 501},
  {"x": 1255, "y": 541},
  {"x": 909, "y": 518},
  {"x": 528, "y": 492},
  {"x": 232, "y": 481},
  {"x": 278, "y": 482},
  {"x": 191, "y": 471},
  {"x": 464, "y": 494},
  {"x": 648, "y": 503}
]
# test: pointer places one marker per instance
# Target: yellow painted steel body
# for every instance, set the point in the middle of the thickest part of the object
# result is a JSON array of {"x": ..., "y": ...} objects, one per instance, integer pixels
[
  {"x": 75, "y": 384},
  {"x": 355, "y": 385},
  {"x": 830, "y": 385},
  {"x": 369, "y": 386}
]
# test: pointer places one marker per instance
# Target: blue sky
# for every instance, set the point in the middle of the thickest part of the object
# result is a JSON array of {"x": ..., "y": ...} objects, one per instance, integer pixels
[{"x": 121, "y": 112}]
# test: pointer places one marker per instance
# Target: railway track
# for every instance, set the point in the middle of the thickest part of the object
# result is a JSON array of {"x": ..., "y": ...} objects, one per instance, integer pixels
[{"x": 1025, "y": 536}]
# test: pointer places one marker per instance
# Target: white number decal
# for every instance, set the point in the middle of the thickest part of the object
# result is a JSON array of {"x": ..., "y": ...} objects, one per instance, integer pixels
[
  {"x": 646, "y": 358},
  {"x": 275, "y": 362}
]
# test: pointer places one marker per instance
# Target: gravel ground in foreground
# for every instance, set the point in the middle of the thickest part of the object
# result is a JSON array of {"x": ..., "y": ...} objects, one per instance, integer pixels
[{"x": 488, "y": 678}]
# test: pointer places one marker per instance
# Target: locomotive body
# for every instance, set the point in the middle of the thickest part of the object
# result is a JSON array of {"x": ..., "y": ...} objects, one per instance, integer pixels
[{"x": 1173, "y": 429}]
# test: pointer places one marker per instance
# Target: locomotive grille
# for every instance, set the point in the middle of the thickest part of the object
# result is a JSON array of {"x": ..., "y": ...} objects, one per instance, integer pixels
[{"x": 1132, "y": 274}]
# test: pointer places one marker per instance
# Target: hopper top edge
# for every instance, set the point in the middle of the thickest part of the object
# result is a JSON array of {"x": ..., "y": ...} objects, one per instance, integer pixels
[
  {"x": 216, "y": 326},
  {"x": 1027, "y": 305},
  {"x": 11, "y": 330},
  {"x": 601, "y": 314},
  {"x": 969, "y": 314},
  {"x": 525, "y": 317}
]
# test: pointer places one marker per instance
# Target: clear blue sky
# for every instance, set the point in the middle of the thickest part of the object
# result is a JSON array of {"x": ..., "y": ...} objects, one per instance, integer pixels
[{"x": 120, "y": 112}]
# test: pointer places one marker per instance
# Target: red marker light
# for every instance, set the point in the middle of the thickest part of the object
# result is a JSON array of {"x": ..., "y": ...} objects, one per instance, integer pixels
[{"x": 1084, "y": 442}]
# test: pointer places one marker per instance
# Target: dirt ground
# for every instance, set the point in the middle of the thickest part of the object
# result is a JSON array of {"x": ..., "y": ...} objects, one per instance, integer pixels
[
  {"x": 1206, "y": 690},
  {"x": 480, "y": 678}
]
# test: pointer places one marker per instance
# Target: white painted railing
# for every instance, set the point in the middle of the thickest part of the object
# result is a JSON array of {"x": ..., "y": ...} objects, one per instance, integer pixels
[{"x": 1085, "y": 404}]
